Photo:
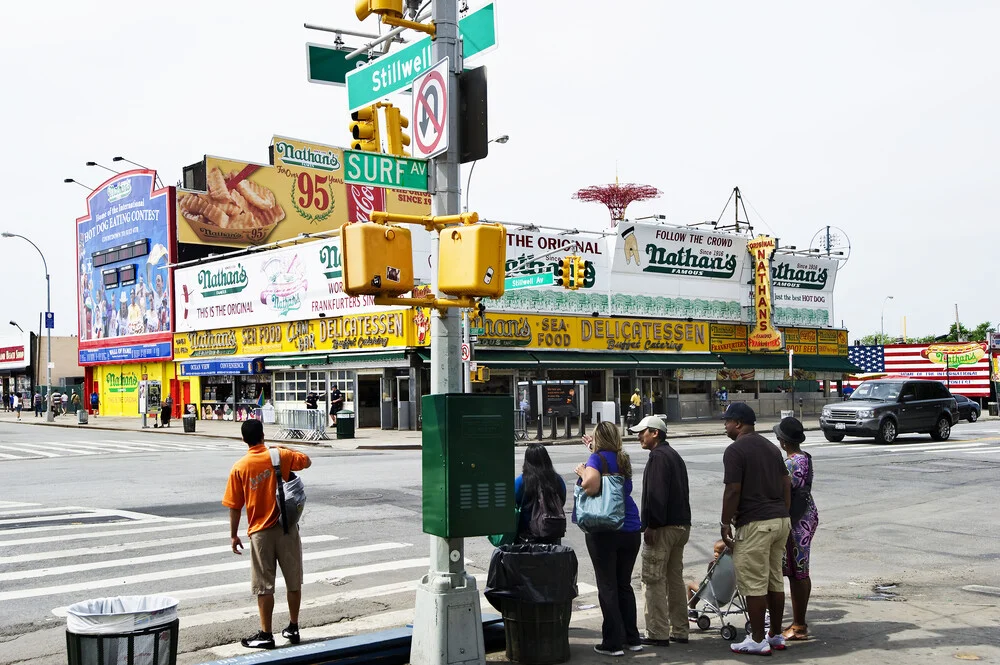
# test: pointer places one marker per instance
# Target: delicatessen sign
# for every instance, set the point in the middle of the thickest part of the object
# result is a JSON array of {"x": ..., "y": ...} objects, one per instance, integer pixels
[{"x": 344, "y": 333}]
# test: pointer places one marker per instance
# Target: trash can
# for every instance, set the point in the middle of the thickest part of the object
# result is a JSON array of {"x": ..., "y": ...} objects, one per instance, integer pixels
[
  {"x": 125, "y": 630},
  {"x": 993, "y": 408},
  {"x": 345, "y": 424},
  {"x": 533, "y": 587},
  {"x": 82, "y": 418},
  {"x": 189, "y": 419}
]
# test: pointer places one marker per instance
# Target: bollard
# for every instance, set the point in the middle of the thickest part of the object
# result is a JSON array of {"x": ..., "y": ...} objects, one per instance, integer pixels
[
  {"x": 555, "y": 434},
  {"x": 583, "y": 423},
  {"x": 569, "y": 427},
  {"x": 540, "y": 434}
]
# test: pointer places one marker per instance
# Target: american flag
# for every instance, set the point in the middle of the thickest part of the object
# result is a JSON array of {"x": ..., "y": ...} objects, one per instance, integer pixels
[{"x": 868, "y": 358}]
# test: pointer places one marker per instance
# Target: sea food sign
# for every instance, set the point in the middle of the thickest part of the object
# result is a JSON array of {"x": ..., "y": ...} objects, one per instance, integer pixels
[{"x": 764, "y": 337}]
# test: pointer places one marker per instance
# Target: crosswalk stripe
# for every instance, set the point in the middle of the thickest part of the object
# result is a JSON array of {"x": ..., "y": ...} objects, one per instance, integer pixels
[
  {"x": 32, "y": 451},
  {"x": 17, "y": 504},
  {"x": 50, "y": 518},
  {"x": 181, "y": 523},
  {"x": 184, "y": 572},
  {"x": 8, "y": 456},
  {"x": 133, "y": 561},
  {"x": 85, "y": 525}
]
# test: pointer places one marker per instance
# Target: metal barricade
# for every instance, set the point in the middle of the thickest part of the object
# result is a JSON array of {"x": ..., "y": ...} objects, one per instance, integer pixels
[
  {"x": 305, "y": 424},
  {"x": 520, "y": 425}
]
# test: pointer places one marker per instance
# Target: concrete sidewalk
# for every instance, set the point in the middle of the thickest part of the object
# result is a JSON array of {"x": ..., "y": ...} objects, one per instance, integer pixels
[{"x": 368, "y": 438}]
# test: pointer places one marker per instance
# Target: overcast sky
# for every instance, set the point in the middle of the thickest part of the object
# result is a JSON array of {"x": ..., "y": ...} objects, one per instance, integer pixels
[{"x": 877, "y": 118}]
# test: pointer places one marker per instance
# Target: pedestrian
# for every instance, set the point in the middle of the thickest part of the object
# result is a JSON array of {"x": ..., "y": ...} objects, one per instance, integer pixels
[
  {"x": 312, "y": 400},
  {"x": 55, "y": 401},
  {"x": 336, "y": 404},
  {"x": 16, "y": 403},
  {"x": 757, "y": 498},
  {"x": 804, "y": 518},
  {"x": 541, "y": 493},
  {"x": 252, "y": 483},
  {"x": 95, "y": 400},
  {"x": 75, "y": 401},
  {"x": 666, "y": 523},
  {"x": 37, "y": 402},
  {"x": 6, "y": 401},
  {"x": 613, "y": 553},
  {"x": 65, "y": 403},
  {"x": 166, "y": 411}
]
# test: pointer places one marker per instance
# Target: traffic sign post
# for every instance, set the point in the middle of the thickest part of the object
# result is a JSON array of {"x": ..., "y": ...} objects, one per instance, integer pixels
[
  {"x": 329, "y": 65},
  {"x": 395, "y": 72},
  {"x": 378, "y": 170},
  {"x": 430, "y": 112}
]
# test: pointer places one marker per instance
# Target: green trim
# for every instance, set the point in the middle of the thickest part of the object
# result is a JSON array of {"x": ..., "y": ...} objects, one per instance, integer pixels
[
  {"x": 505, "y": 359},
  {"x": 755, "y": 360},
  {"x": 825, "y": 364},
  {"x": 678, "y": 360},
  {"x": 366, "y": 358},
  {"x": 282, "y": 362},
  {"x": 583, "y": 360}
]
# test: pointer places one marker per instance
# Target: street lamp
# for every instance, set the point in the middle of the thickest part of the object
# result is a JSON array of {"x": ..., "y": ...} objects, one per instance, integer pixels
[
  {"x": 48, "y": 328},
  {"x": 119, "y": 158},
  {"x": 468, "y": 183},
  {"x": 103, "y": 167},
  {"x": 68, "y": 180},
  {"x": 14, "y": 323},
  {"x": 882, "y": 327}
]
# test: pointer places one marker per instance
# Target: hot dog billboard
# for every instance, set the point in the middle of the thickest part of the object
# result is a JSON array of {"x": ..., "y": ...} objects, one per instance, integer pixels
[{"x": 963, "y": 366}]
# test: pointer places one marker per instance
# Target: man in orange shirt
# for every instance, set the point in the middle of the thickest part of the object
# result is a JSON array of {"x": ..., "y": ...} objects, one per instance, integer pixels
[{"x": 252, "y": 483}]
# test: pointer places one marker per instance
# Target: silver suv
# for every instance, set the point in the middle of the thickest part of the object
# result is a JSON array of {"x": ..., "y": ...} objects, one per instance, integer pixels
[{"x": 885, "y": 408}]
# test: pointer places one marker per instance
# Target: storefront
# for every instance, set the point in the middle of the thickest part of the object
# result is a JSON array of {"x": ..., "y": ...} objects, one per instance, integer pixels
[
  {"x": 229, "y": 389},
  {"x": 117, "y": 385},
  {"x": 16, "y": 365}
]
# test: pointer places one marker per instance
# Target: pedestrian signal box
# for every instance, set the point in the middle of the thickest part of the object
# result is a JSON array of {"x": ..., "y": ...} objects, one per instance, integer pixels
[
  {"x": 378, "y": 259},
  {"x": 468, "y": 465},
  {"x": 471, "y": 260}
]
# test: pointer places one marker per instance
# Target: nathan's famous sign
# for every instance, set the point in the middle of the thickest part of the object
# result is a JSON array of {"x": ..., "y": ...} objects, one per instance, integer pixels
[{"x": 764, "y": 336}]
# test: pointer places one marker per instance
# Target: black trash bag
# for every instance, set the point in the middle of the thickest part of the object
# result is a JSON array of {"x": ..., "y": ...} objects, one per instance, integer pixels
[{"x": 532, "y": 573}]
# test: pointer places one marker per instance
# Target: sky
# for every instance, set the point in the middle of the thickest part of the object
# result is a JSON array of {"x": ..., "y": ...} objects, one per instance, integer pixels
[{"x": 878, "y": 119}]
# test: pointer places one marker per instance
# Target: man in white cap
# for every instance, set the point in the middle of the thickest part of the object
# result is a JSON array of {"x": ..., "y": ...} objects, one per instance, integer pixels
[{"x": 666, "y": 522}]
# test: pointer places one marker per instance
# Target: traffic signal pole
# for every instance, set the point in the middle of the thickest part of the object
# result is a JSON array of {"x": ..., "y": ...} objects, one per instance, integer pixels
[{"x": 447, "y": 626}]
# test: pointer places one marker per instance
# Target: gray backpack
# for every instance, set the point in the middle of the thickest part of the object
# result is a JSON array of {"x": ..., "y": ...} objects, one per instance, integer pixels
[{"x": 291, "y": 493}]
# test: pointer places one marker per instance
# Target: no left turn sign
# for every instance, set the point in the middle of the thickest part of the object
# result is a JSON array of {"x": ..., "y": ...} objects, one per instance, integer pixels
[{"x": 430, "y": 111}]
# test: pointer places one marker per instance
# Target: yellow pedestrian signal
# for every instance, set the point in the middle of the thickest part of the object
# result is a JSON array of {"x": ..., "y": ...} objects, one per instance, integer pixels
[
  {"x": 471, "y": 260},
  {"x": 480, "y": 375},
  {"x": 365, "y": 8},
  {"x": 378, "y": 259},
  {"x": 395, "y": 123},
  {"x": 365, "y": 130}
]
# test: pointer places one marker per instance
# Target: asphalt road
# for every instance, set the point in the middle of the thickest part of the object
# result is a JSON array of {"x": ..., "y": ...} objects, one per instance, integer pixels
[{"x": 89, "y": 514}]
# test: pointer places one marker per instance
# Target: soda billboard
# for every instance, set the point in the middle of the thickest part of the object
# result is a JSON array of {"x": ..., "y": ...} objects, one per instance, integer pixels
[{"x": 124, "y": 245}]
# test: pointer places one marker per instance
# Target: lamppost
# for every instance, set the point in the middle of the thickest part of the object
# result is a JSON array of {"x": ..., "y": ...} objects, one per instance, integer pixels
[
  {"x": 48, "y": 324},
  {"x": 468, "y": 181},
  {"x": 882, "y": 326},
  {"x": 466, "y": 317}
]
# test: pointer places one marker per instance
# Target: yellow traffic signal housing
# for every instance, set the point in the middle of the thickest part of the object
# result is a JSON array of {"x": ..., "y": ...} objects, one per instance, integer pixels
[
  {"x": 365, "y": 130},
  {"x": 569, "y": 272},
  {"x": 578, "y": 272},
  {"x": 378, "y": 259},
  {"x": 480, "y": 375},
  {"x": 365, "y": 8},
  {"x": 395, "y": 123},
  {"x": 471, "y": 260}
]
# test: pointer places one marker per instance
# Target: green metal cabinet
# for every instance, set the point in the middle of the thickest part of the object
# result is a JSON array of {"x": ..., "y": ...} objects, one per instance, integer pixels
[{"x": 468, "y": 460}]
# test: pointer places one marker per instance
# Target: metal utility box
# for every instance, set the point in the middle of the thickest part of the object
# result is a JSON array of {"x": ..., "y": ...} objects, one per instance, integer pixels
[
  {"x": 378, "y": 259},
  {"x": 468, "y": 459},
  {"x": 471, "y": 260}
]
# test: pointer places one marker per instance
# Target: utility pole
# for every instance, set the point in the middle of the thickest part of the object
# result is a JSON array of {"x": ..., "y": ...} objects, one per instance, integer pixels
[
  {"x": 447, "y": 623},
  {"x": 958, "y": 326}
]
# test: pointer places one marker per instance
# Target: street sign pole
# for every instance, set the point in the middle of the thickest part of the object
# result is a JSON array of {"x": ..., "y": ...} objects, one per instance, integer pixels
[{"x": 447, "y": 622}]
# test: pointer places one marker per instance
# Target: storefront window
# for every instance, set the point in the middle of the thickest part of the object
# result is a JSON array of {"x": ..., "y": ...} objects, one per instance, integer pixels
[{"x": 290, "y": 386}]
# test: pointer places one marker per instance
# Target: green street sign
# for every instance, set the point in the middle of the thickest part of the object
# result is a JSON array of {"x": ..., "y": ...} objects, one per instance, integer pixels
[
  {"x": 378, "y": 170},
  {"x": 477, "y": 331},
  {"x": 395, "y": 72},
  {"x": 527, "y": 281},
  {"x": 327, "y": 65}
]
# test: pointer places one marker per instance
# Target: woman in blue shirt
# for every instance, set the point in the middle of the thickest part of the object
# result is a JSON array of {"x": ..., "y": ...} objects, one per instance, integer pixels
[
  {"x": 537, "y": 477},
  {"x": 613, "y": 553}
]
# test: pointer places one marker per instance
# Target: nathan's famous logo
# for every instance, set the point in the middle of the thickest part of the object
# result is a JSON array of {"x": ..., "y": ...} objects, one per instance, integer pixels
[
  {"x": 799, "y": 276},
  {"x": 219, "y": 282},
  {"x": 503, "y": 331},
  {"x": 119, "y": 190},
  {"x": 764, "y": 337},
  {"x": 955, "y": 355},
  {"x": 286, "y": 284},
  {"x": 212, "y": 343},
  {"x": 329, "y": 256},
  {"x": 698, "y": 256},
  {"x": 121, "y": 383},
  {"x": 322, "y": 160}
]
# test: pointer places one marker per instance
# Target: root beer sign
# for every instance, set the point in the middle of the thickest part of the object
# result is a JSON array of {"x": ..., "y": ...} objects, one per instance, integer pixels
[{"x": 764, "y": 337}]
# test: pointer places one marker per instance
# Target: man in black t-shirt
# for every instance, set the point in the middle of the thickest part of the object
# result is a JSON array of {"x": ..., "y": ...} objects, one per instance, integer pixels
[
  {"x": 757, "y": 497},
  {"x": 336, "y": 404}
]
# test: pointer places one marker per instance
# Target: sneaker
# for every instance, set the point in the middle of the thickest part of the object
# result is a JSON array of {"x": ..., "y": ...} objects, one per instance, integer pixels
[
  {"x": 634, "y": 648},
  {"x": 260, "y": 640},
  {"x": 292, "y": 633},
  {"x": 748, "y": 646},
  {"x": 777, "y": 642},
  {"x": 679, "y": 640},
  {"x": 653, "y": 642},
  {"x": 599, "y": 648}
]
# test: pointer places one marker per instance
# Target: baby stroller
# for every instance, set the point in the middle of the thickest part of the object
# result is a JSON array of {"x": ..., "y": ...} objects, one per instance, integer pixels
[{"x": 718, "y": 595}]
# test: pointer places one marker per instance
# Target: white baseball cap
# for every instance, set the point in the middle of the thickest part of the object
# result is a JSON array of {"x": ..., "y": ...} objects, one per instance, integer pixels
[{"x": 649, "y": 422}]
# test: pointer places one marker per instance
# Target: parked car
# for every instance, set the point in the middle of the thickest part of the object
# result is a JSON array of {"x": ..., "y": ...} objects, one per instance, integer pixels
[
  {"x": 968, "y": 409},
  {"x": 886, "y": 408}
]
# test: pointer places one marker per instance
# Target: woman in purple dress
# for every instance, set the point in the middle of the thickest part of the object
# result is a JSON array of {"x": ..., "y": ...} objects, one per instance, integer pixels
[{"x": 804, "y": 518}]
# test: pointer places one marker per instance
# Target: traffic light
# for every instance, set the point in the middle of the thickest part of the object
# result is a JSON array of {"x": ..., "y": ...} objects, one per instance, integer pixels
[
  {"x": 579, "y": 270},
  {"x": 560, "y": 274},
  {"x": 365, "y": 8},
  {"x": 365, "y": 130},
  {"x": 395, "y": 123},
  {"x": 377, "y": 259},
  {"x": 480, "y": 375}
]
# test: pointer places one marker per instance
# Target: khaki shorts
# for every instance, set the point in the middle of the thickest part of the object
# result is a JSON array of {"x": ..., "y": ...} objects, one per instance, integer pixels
[
  {"x": 272, "y": 546},
  {"x": 757, "y": 556}
]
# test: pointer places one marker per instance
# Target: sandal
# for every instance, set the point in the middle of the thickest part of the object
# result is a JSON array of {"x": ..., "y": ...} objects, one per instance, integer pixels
[{"x": 794, "y": 632}]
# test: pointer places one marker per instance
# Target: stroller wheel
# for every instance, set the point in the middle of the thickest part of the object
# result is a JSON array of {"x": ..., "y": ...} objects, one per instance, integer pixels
[
  {"x": 704, "y": 622},
  {"x": 728, "y": 632},
  {"x": 748, "y": 628}
]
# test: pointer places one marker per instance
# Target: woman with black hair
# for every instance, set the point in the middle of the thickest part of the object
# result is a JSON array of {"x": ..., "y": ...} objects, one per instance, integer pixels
[{"x": 539, "y": 489}]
